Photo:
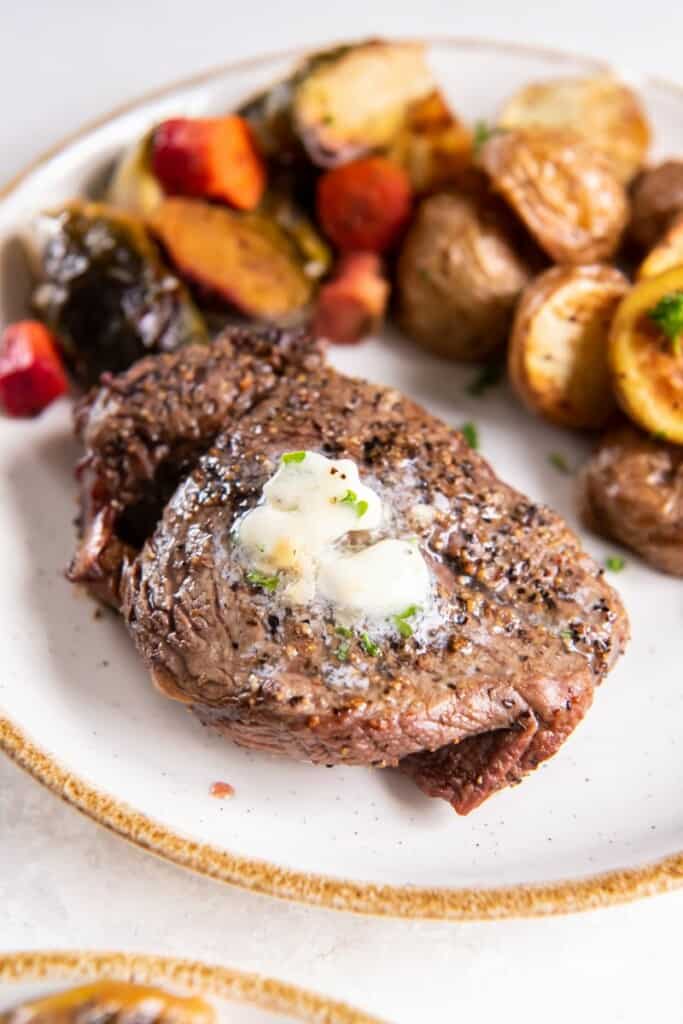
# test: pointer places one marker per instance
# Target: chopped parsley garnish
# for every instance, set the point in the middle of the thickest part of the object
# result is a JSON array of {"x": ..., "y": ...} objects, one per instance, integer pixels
[
  {"x": 483, "y": 131},
  {"x": 368, "y": 645},
  {"x": 344, "y": 631},
  {"x": 567, "y": 634},
  {"x": 487, "y": 378},
  {"x": 351, "y": 498},
  {"x": 401, "y": 623},
  {"x": 660, "y": 435},
  {"x": 668, "y": 315},
  {"x": 558, "y": 460},
  {"x": 471, "y": 434},
  {"x": 293, "y": 457},
  {"x": 342, "y": 651},
  {"x": 260, "y": 579},
  {"x": 615, "y": 563}
]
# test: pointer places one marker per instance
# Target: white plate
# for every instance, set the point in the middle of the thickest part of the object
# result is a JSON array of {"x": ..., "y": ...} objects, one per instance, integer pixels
[
  {"x": 237, "y": 997},
  {"x": 81, "y": 714}
]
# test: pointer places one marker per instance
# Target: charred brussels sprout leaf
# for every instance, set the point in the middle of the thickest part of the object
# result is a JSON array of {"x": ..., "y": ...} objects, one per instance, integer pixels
[{"x": 105, "y": 290}]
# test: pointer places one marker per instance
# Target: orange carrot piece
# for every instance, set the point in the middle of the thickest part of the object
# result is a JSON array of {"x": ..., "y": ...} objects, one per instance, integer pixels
[
  {"x": 365, "y": 204},
  {"x": 31, "y": 371},
  {"x": 212, "y": 157},
  {"x": 353, "y": 303}
]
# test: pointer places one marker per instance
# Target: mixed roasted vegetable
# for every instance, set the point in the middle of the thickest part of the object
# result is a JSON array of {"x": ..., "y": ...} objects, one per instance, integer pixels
[{"x": 352, "y": 189}]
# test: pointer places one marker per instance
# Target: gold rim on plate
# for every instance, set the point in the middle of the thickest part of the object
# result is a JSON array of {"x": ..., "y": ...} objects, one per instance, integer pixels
[
  {"x": 207, "y": 980},
  {"x": 569, "y": 895}
]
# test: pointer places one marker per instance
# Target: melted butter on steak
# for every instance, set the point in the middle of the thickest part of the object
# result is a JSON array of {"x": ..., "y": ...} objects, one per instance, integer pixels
[{"x": 299, "y": 531}]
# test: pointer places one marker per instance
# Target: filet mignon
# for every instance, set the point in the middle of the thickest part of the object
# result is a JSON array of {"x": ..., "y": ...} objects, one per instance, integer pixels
[{"x": 523, "y": 625}]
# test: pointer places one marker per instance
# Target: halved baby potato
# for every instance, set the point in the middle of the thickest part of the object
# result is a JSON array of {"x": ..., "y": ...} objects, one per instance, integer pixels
[
  {"x": 114, "y": 1002},
  {"x": 600, "y": 109},
  {"x": 354, "y": 100},
  {"x": 432, "y": 146},
  {"x": 557, "y": 358},
  {"x": 563, "y": 189},
  {"x": 668, "y": 252},
  {"x": 646, "y": 354},
  {"x": 656, "y": 200}
]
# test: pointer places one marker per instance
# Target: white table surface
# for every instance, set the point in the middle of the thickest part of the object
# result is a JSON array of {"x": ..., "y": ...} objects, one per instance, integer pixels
[{"x": 65, "y": 882}]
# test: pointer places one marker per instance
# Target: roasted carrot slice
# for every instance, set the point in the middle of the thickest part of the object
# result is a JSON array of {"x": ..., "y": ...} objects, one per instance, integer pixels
[
  {"x": 364, "y": 205},
  {"x": 31, "y": 371},
  {"x": 352, "y": 304},
  {"x": 213, "y": 157}
]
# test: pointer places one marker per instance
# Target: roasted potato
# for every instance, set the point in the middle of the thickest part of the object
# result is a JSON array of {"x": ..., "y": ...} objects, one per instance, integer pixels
[
  {"x": 460, "y": 272},
  {"x": 563, "y": 190},
  {"x": 355, "y": 101},
  {"x": 103, "y": 287},
  {"x": 646, "y": 354},
  {"x": 601, "y": 110},
  {"x": 245, "y": 260},
  {"x": 134, "y": 186},
  {"x": 656, "y": 199},
  {"x": 668, "y": 252},
  {"x": 632, "y": 492},
  {"x": 557, "y": 358},
  {"x": 114, "y": 1002},
  {"x": 432, "y": 145}
]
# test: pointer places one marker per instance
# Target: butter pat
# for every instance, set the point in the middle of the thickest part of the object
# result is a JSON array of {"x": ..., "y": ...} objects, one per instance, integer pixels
[{"x": 310, "y": 506}]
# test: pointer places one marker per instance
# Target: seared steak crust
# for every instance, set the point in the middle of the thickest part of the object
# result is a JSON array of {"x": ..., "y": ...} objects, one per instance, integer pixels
[
  {"x": 523, "y": 626},
  {"x": 144, "y": 429}
]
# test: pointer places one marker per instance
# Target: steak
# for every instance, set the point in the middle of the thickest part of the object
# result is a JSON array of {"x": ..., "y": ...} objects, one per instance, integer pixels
[{"x": 522, "y": 626}]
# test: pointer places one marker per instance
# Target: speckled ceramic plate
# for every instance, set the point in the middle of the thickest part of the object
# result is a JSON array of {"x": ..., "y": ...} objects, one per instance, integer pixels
[
  {"x": 237, "y": 998},
  {"x": 601, "y": 822}
]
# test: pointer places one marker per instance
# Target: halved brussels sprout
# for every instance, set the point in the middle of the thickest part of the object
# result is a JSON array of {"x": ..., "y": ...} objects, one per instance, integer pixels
[{"x": 103, "y": 287}]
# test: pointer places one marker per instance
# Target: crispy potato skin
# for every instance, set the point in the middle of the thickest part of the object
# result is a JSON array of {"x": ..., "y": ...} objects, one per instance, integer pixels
[
  {"x": 459, "y": 276},
  {"x": 557, "y": 359},
  {"x": 563, "y": 190},
  {"x": 354, "y": 103},
  {"x": 244, "y": 259},
  {"x": 647, "y": 373},
  {"x": 632, "y": 492},
  {"x": 656, "y": 199},
  {"x": 604, "y": 112},
  {"x": 667, "y": 254}
]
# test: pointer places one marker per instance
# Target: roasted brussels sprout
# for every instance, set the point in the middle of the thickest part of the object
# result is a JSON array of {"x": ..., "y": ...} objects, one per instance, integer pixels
[
  {"x": 133, "y": 186},
  {"x": 280, "y": 205},
  {"x": 558, "y": 348},
  {"x": 114, "y": 1002},
  {"x": 244, "y": 259},
  {"x": 632, "y": 492},
  {"x": 354, "y": 101},
  {"x": 460, "y": 272},
  {"x": 563, "y": 190},
  {"x": 656, "y": 199},
  {"x": 105, "y": 290},
  {"x": 601, "y": 110}
]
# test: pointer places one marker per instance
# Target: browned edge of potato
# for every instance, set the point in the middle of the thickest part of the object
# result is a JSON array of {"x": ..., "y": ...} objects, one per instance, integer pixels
[
  {"x": 656, "y": 198},
  {"x": 557, "y": 359},
  {"x": 432, "y": 145},
  {"x": 460, "y": 271},
  {"x": 646, "y": 366},
  {"x": 667, "y": 253},
  {"x": 631, "y": 491},
  {"x": 562, "y": 189},
  {"x": 600, "y": 109}
]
